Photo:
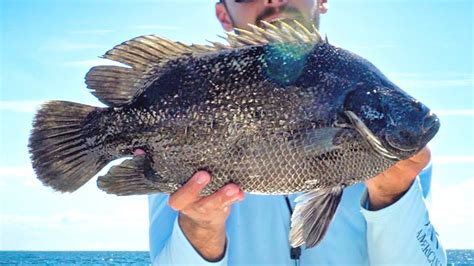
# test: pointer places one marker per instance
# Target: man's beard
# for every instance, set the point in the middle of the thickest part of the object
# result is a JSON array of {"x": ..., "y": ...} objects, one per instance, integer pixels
[{"x": 290, "y": 14}]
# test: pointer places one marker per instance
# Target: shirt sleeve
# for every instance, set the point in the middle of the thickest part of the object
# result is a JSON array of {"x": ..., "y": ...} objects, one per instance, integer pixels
[
  {"x": 168, "y": 244},
  {"x": 402, "y": 234}
]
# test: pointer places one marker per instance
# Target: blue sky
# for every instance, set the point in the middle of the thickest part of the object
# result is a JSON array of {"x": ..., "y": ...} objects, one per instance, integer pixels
[{"x": 46, "y": 47}]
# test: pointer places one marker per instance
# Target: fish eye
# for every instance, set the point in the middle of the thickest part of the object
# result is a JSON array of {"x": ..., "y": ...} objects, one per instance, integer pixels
[{"x": 366, "y": 102}]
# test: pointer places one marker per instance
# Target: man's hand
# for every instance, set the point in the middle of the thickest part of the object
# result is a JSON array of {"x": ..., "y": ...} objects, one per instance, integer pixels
[
  {"x": 389, "y": 186},
  {"x": 202, "y": 219}
]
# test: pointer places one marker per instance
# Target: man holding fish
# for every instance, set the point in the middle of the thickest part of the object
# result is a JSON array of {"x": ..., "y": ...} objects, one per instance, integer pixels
[
  {"x": 337, "y": 149},
  {"x": 384, "y": 221}
]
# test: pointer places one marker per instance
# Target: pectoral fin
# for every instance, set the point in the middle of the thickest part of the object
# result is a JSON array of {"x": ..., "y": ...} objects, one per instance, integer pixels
[
  {"x": 134, "y": 177},
  {"x": 313, "y": 214},
  {"x": 315, "y": 141}
]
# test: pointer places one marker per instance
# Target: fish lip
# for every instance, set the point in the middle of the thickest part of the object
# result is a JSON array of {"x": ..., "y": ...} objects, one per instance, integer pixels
[
  {"x": 368, "y": 135},
  {"x": 431, "y": 131},
  {"x": 428, "y": 134},
  {"x": 395, "y": 146}
]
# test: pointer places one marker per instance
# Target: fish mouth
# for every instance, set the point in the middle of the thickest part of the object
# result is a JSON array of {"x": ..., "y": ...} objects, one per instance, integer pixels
[
  {"x": 394, "y": 144},
  {"x": 373, "y": 140},
  {"x": 430, "y": 127}
]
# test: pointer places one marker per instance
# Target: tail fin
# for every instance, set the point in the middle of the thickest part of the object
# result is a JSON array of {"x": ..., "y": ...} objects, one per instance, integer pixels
[{"x": 59, "y": 152}]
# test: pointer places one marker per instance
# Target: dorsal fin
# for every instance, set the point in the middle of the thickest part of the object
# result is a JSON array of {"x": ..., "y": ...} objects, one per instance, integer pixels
[
  {"x": 144, "y": 51},
  {"x": 116, "y": 85},
  {"x": 273, "y": 34}
]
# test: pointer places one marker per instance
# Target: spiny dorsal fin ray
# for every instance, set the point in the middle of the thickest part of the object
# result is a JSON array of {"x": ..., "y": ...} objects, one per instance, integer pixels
[
  {"x": 281, "y": 32},
  {"x": 256, "y": 36},
  {"x": 145, "y": 51},
  {"x": 273, "y": 34},
  {"x": 218, "y": 45},
  {"x": 144, "y": 55}
]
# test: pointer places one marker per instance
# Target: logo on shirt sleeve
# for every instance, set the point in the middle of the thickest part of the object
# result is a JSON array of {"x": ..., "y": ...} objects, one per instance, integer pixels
[{"x": 428, "y": 240}]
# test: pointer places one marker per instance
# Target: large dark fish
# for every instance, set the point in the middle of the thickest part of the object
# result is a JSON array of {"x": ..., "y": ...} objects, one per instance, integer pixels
[{"x": 278, "y": 111}]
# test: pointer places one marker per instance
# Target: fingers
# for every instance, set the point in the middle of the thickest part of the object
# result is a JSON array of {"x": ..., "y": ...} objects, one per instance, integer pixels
[
  {"x": 189, "y": 193},
  {"x": 188, "y": 200},
  {"x": 411, "y": 167},
  {"x": 422, "y": 157},
  {"x": 214, "y": 209},
  {"x": 223, "y": 198}
]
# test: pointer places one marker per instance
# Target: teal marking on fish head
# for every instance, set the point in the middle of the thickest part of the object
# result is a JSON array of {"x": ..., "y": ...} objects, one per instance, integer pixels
[{"x": 284, "y": 62}]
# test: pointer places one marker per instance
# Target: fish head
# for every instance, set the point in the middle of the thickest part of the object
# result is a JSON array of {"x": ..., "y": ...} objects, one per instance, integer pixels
[{"x": 395, "y": 124}]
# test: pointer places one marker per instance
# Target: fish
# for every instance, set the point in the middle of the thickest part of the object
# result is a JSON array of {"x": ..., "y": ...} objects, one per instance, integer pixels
[{"x": 277, "y": 110}]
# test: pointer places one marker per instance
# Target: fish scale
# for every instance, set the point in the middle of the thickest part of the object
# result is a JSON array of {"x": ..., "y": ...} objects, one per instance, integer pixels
[{"x": 289, "y": 113}]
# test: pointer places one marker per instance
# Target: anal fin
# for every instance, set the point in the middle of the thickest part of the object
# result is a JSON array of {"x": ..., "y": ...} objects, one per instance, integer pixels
[
  {"x": 313, "y": 214},
  {"x": 133, "y": 177}
]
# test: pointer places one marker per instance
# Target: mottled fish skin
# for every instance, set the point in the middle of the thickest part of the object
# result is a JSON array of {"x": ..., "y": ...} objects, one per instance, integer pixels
[
  {"x": 257, "y": 135},
  {"x": 288, "y": 113}
]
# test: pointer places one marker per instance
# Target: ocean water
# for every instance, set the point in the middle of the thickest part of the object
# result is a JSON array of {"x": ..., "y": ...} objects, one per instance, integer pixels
[
  {"x": 459, "y": 257},
  {"x": 74, "y": 258}
]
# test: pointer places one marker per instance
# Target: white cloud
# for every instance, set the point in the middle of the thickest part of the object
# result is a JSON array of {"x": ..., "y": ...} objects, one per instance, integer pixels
[
  {"x": 32, "y": 106},
  {"x": 128, "y": 214},
  {"x": 24, "y": 175},
  {"x": 372, "y": 46},
  {"x": 112, "y": 227},
  {"x": 444, "y": 74},
  {"x": 452, "y": 213},
  {"x": 42, "y": 221},
  {"x": 453, "y": 159},
  {"x": 154, "y": 27},
  {"x": 16, "y": 171},
  {"x": 438, "y": 83},
  {"x": 70, "y": 46},
  {"x": 92, "y": 62},
  {"x": 90, "y": 32},
  {"x": 27, "y": 106},
  {"x": 430, "y": 80},
  {"x": 455, "y": 112}
]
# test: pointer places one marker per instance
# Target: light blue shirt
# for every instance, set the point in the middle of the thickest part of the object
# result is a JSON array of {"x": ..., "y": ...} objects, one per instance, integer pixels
[{"x": 258, "y": 227}]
